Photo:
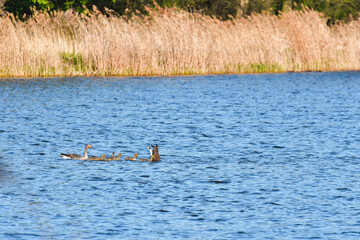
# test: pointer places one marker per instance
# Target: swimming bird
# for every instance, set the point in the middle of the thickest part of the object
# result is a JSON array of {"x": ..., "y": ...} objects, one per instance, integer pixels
[
  {"x": 118, "y": 157},
  {"x": 102, "y": 158},
  {"x": 76, "y": 156},
  {"x": 132, "y": 158},
  {"x": 146, "y": 159},
  {"x": 113, "y": 157},
  {"x": 156, "y": 153}
]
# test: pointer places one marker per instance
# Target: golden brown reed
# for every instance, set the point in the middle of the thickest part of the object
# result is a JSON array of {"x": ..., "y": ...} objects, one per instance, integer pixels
[{"x": 171, "y": 41}]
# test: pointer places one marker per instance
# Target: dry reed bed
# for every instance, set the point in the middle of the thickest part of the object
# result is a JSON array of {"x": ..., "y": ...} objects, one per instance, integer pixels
[{"x": 170, "y": 41}]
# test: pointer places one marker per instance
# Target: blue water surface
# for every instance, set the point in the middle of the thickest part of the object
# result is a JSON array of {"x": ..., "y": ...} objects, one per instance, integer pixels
[{"x": 272, "y": 156}]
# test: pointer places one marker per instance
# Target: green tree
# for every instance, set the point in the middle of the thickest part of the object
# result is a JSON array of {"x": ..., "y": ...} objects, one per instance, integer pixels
[
  {"x": 223, "y": 9},
  {"x": 334, "y": 10},
  {"x": 24, "y": 7},
  {"x": 341, "y": 10}
]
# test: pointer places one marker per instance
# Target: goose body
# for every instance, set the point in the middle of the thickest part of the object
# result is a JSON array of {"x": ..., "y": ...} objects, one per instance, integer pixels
[
  {"x": 156, "y": 154},
  {"x": 76, "y": 156}
]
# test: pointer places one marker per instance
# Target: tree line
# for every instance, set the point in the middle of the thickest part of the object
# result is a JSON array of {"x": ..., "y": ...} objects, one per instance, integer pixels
[{"x": 334, "y": 10}]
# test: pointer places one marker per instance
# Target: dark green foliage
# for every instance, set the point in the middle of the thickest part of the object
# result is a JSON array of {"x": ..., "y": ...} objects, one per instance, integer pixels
[
  {"x": 256, "y": 6},
  {"x": 25, "y": 7},
  {"x": 334, "y": 10},
  {"x": 223, "y": 9},
  {"x": 73, "y": 60}
]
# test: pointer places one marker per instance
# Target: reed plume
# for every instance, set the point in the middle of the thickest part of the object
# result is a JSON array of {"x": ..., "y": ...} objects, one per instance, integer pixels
[{"x": 172, "y": 42}]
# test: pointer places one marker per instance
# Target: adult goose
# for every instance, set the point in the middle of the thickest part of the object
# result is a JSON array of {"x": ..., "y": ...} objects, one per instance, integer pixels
[
  {"x": 156, "y": 154},
  {"x": 76, "y": 156}
]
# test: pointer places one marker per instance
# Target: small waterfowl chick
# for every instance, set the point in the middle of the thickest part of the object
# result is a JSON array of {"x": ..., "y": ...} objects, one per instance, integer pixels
[
  {"x": 147, "y": 160},
  {"x": 111, "y": 158},
  {"x": 132, "y": 158},
  {"x": 118, "y": 157},
  {"x": 102, "y": 158},
  {"x": 114, "y": 158},
  {"x": 76, "y": 156}
]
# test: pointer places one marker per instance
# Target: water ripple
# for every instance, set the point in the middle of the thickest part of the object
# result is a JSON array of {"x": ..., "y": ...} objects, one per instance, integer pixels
[{"x": 243, "y": 157}]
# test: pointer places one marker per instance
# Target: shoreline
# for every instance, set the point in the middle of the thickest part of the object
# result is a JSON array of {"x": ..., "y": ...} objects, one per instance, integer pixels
[{"x": 179, "y": 75}]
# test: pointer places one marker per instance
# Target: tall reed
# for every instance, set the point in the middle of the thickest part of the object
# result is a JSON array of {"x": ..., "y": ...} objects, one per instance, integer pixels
[{"x": 171, "y": 41}]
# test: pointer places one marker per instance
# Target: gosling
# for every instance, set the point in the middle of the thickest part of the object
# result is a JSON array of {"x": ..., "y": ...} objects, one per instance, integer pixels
[{"x": 132, "y": 158}]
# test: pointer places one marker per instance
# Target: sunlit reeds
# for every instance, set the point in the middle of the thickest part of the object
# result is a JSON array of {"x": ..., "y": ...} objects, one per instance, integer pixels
[{"x": 171, "y": 41}]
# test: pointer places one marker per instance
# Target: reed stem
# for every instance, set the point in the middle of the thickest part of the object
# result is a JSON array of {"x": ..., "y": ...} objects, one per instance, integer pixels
[{"x": 174, "y": 42}]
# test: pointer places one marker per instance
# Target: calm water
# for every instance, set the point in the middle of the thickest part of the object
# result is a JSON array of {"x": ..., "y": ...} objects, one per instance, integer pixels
[{"x": 243, "y": 157}]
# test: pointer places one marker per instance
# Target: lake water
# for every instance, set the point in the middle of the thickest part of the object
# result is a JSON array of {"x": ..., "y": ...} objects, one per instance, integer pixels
[{"x": 271, "y": 156}]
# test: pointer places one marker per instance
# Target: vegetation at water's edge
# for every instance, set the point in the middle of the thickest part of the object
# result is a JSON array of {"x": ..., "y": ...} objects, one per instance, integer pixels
[{"x": 172, "y": 41}]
